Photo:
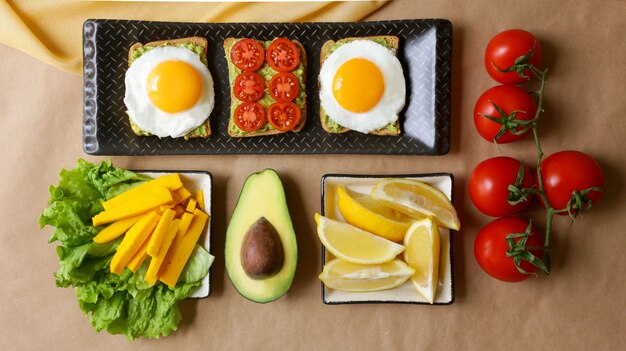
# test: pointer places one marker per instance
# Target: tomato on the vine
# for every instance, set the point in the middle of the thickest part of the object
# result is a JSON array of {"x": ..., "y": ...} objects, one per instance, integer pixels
[
  {"x": 514, "y": 105},
  {"x": 490, "y": 249},
  {"x": 565, "y": 172},
  {"x": 489, "y": 182},
  {"x": 504, "y": 49}
]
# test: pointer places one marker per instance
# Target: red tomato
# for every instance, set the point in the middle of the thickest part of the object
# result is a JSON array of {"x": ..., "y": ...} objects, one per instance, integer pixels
[
  {"x": 283, "y": 55},
  {"x": 568, "y": 171},
  {"x": 489, "y": 183},
  {"x": 247, "y": 54},
  {"x": 490, "y": 249},
  {"x": 504, "y": 49},
  {"x": 249, "y": 116},
  {"x": 509, "y": 99},
  {"x": 284, "y": 87},
  {"x": 284, "y": 116},
  {"x": 249, "y": 86}
]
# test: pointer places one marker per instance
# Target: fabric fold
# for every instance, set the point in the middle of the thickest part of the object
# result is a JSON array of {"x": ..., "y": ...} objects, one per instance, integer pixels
[{"x": 52, "y": 31}]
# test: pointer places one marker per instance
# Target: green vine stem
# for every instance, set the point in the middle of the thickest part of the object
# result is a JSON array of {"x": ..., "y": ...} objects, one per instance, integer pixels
[
  {"x": 518, "y": 250},
  {"x": 550, "y": 212},
  {"x": 578, "y": 202}
]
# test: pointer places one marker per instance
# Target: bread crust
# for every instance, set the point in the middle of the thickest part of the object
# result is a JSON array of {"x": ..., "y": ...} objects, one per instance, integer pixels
[
  {"x": 228, "y": 42},
  {"x": 395, "y": 42},
  {"x": 173, "y": 42}
]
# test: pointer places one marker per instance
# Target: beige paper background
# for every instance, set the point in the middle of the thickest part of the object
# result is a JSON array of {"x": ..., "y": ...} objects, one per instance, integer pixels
[{"x": 579, "y": 307}]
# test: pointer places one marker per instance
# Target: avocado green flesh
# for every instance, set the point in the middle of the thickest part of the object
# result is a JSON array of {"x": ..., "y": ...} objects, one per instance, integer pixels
[
  {"x": 329, "y": 122},
  {"x": 262, "y": 195},
  {"x": 267, "y": 73},
  {"x": 201, "y": 130}
]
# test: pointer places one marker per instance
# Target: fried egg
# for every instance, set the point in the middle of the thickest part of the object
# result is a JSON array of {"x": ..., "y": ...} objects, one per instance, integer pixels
[
  {"x": 362, "y": 86},
  {"x": 169, "y": 91}
]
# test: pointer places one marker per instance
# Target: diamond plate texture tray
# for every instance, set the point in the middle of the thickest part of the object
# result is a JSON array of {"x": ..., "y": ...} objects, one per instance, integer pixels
[{"x": 425, "y": 54}]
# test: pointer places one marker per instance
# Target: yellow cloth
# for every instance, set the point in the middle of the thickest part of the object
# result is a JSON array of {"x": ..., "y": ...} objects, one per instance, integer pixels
[{"x": 52, "y": 30}]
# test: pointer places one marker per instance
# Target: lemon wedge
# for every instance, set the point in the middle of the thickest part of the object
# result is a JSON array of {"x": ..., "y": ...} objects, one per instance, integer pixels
[
  {"x": 372, "y": 216},
  {"x": 346, "y": 276},
  {"x": 353, "y": 244},
  {"x": 422, "y": 254},
  {"x": 418, "y": 200}
]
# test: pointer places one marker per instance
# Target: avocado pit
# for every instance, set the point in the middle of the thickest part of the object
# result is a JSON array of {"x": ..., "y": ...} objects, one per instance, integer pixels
[{"x": 262, "y": 254}]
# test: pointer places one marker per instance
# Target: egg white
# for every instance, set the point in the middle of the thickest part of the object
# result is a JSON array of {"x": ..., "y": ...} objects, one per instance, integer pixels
[
  {"x": 392, "y": 101},
  {"x": 148, "y": 116}
]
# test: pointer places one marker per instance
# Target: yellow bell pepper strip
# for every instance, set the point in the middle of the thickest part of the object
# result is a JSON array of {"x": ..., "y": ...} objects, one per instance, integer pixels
[
  {"x": 170, "y": 181},
  {"x": 179, "y": 211},
  {"x": 133, "y": 207},
  {"x": 115, "y": 230},
  {"x": 160, "y": 232},
  {"x": 176, "y": 259},
  {"x": 184, "y": 225},
  {"x": 139, "y": 256},
  {"x": 181, "y": 195},
  {"x": 157, "y": 260},
  {"x": 200, "y": 199},
  {"x": 191, "y": 205},
  {"x": 132, "y": 241}
]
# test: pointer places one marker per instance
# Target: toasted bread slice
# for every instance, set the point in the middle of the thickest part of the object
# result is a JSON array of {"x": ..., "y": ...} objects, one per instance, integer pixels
[
  {"x": 395, "y": 43},
  {"x": 202, "y": 42},
  {"x": 228, "y": 43}
]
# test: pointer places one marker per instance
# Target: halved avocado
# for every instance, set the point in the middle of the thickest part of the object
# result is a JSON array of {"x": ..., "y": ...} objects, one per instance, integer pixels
[{"x": 262, "y": 202}]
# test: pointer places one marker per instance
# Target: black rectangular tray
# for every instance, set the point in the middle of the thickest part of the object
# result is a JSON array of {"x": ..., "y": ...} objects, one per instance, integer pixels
[{"x": 425, "y": 54}]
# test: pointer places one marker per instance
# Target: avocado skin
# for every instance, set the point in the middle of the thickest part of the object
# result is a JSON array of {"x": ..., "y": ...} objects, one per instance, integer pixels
[{"x": 262, "y": 195}]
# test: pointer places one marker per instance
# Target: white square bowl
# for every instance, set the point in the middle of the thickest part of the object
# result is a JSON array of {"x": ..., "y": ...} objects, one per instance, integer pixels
[
  {"x": 405, "y": 293},
  {"x": 194, "y": 181}
]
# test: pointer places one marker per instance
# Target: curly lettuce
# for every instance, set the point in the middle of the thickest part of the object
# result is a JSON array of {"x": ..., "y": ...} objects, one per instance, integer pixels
[{"x": 120, "y": 304}]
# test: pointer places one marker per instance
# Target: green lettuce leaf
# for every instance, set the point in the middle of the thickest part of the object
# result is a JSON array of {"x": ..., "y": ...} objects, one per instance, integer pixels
[
  {"x": 198, "y": 265},
  {"x": 120, "y": 304}
]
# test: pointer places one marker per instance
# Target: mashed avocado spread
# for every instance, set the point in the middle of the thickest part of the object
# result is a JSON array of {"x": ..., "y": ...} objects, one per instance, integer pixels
[
  {"x": 329, "y": 122},
  {"x": 267, "y": 73},
  {"x": 198, "y": 132}
]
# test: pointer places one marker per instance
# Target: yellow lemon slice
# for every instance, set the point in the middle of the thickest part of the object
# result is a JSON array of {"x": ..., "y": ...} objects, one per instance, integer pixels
[
  {"x": 372, "y": 216},
  {"x": 422, "y": 254},
  {"x": 346, "y": 276},
  {"x": 353, "y": 244},
  {"x": 418, "y": 200}
]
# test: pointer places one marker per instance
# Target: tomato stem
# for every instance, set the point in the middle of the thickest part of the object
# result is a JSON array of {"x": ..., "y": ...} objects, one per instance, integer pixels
[
  {"x": 541, "y": 75},
  {"x": 519, "y": 250}
]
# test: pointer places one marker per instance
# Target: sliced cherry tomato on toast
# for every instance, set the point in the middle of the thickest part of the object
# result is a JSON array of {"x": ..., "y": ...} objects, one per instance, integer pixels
[
  {"x": 247, "y": 54},
  {"x": 284, "y": 116},
  {"x": 249, "y": 86},
  {"x": 283, "y": 55},
  {"x": 284, "y": 86},
  {"x": 249, "y": 116}
]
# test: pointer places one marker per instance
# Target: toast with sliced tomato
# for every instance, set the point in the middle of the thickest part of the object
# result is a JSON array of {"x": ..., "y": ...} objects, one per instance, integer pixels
[{"x": 267, "y": 86}]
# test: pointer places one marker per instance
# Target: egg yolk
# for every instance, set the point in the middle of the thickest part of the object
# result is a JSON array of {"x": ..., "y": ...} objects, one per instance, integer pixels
[
  {"x": 358, "y": 85},
  {"x": 174, "y": 86}
]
